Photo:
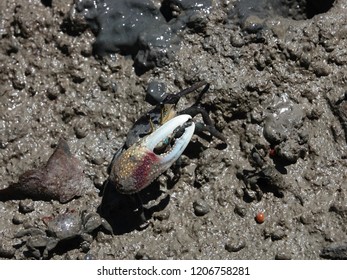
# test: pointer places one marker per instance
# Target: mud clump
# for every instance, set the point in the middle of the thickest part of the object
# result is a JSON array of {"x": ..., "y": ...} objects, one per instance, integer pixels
[
  {"x": 139, "y": 28},
  {"x": 339, "y": 107},
  {"x": 336, "y": 251},
  {"x": 282, "y": 127},
  {"x": 252, "y": 14}
]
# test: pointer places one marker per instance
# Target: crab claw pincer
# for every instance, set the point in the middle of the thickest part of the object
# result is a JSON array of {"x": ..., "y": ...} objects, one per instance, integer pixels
[{"x": 139, "y": 165}]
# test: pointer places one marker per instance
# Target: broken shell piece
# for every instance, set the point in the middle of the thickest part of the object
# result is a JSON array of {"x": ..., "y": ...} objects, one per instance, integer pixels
[{"x": 62, "y": 179}]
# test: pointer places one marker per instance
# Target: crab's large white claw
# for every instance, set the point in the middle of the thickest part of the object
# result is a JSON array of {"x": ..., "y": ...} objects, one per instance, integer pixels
[
  {"x": 164, "y": 132},
  {"x": 137, "y": 167}
]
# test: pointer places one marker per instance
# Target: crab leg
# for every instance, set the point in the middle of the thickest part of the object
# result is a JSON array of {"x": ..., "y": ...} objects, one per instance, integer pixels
[{"x": 139, "y": 165}]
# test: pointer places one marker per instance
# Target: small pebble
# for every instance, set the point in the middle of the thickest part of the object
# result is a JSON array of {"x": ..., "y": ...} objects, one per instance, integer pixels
[
  {"x": 253, "y": 24},
  {"x": 321, "y": 68},
  {"x": 103, "y": 82},
  {"x": 239, "y": 192},
  {"x": 235, "y": 246},
  {"x": 52, "y": 93},
  {"x": 222, "y": 201},
  {"x": 27, "y": 225},
  {"x": 201, "y": 208},
  {"x": 89, "y": 256},
  {"x": 278, "y": 235},
  {"x": 18, "y": 82},
  {"x": 335, "y": 251},
  {"x": 67, "y": 114},
  {"x": 155, "y": 92},
  {"x": 97, "y": 160},
  {"x": 240, "y": 210},
  {"x": 160, "y": 227},
  {"x": 81, "y": 129},
  {"x": 114, "y": 87},
  {"x": 162, "y": 215},
  {"x": 142, "y": 255},
  {"x": 26, "y": 206},
  {"x": 283, "y": 256},
  {"x": 237, "y": 41},
  {"x": 6, "y": 250},
  {"x": 306, "y": 219},
  {"x": 17, "y": 219}
]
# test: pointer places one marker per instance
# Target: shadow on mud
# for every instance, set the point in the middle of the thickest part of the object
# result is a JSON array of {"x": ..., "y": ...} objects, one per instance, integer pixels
[{"x": 126, "y": 213}]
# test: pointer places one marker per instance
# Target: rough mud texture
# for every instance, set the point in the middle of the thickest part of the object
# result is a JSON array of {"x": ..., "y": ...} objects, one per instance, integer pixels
[{"x": 278, "y": 94}]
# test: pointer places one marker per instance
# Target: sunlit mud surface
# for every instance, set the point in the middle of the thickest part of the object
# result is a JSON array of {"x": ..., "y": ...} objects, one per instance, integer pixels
[{"x": 277, "y": 73}]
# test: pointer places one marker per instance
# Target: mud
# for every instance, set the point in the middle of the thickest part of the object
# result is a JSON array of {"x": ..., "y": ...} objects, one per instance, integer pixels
[
  {"x": 278, "y": 94},
  {"x": 137, "y": 28}
]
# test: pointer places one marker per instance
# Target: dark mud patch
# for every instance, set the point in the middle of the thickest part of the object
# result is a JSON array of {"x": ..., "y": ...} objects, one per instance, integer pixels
[
  {"x": 148, "y": 33},
  {"x": 252, "y": 14}
]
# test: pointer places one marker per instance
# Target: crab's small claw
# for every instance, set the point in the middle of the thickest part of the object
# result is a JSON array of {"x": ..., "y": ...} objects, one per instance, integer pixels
[{"x": 139, "y": 165}]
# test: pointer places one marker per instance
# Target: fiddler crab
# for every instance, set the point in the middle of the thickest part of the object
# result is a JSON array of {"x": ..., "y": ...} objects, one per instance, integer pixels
[
  {"x": 156, "y": 141},
  {"x": 61, "y": 228}
]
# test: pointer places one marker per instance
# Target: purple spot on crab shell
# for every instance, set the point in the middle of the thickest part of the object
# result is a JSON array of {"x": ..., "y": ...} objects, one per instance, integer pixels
[{"x": 143, "y": 172}]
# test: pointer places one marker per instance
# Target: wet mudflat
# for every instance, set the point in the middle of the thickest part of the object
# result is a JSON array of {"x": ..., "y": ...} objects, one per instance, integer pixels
[{"x": 277, "y": 75}]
